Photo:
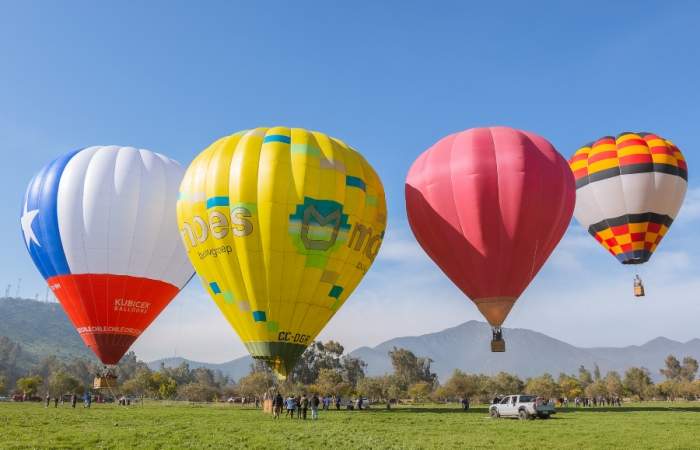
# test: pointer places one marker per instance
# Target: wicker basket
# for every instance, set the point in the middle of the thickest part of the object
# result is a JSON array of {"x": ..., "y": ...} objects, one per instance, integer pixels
[{"x": 498, "y": 345}]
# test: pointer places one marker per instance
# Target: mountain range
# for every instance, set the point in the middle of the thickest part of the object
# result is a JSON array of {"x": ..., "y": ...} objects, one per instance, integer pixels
[
  {"x": 43, "y": 328},
  {"x": 466, "y": 347}
]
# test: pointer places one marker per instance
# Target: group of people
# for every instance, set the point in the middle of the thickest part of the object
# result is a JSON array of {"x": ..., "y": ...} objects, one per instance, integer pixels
[
  {"x": 593, "y": 401},
  {"x": 87, "y": 400},
  {"x": 297, "y": 404},
  {"x": 300, "y": 405}
]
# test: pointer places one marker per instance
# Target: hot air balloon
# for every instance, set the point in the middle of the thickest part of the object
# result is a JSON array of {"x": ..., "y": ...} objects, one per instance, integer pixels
[
  {"x": 281, "y": 224},
  {"x": 489, "y": 205},
  {"x": 628, "y": 191},
  {"x": 100, "y": 225}
]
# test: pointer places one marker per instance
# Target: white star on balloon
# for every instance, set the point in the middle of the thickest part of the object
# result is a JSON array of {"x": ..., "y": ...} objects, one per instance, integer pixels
[{"x": 27, "y": 219}]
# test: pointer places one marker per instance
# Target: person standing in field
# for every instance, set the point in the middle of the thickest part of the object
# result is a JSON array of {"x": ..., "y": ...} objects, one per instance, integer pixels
[
  {"x": 337, "y": 403},
  {"x": 291, "y": 406},
  {"x": 314, "y": 407},
  {"x": 48, "y": 399},
  {"x": 55, "y": 402},
  {"x": 88, "y": 400},
  {"x": 72, "y": 400},
  {"x": 277, "y": 405},
  {"x": 297, "y": 403},
  {"x": 304, "y": 404}
]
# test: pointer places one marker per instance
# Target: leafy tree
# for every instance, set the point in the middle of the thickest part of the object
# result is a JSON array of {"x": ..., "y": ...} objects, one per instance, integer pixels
[
  {"x": 543, "y": 386},
  {"x": 140, "y": 383},
  {"x": 10, "y": 357},
  {"x": 129, "y": 365},
  {"x": 440, "y": 394},
  {"x": 181, "y": 374},
  {"x": 596, "y": 373},
  {"x": 411, "y": 369},
  {"x": 47, "y": 366},
  {"x": 669, "y": 389},
  {"x": 505, "y": 382},
  {"x": 613, "y": 384},
  {"x": 596, "y": 389},
  {"x": 256, "y": 384},
  {"x": 29, "y": 385},
  {"x": 82, "y": 369},
  {"x": 584, "y": 377},
  {"x": 196, "y": 392},
  {"x": 569, "y": 386},
  {"x": 61, "y": 383},
  {"x": 689, "y": 369},
  {"x": 353, "y": 369},
  {"x": 167, "y": 388},
  {"x": 162, "y": 386},
  {"x": 687, "y": 390},
  {"x": 461, "y": 384},
  {"x": 317, "y": 356},
  {"x": 420, "y": 391},
  {"x": 637, "y": 381},
  {"x": 204, "y": 376},
  {"x": 393, "y": 387},
  {"x": 673, "y": 368},
  {"x": 331, "y": 381},
  {"x": 374, "y": 388}
]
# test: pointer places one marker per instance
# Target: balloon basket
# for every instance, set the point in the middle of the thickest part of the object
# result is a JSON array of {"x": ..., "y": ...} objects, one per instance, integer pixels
[
  {"x": 498, "y": 345},
  {"x": 638, "y": 287},
  {"x": 267, "y": 406},
  {"x": 105, "y": 381}
]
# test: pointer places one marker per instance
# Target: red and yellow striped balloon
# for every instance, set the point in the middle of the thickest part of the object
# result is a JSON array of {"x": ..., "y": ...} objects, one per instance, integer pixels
[{"x": 629, "y": 190}]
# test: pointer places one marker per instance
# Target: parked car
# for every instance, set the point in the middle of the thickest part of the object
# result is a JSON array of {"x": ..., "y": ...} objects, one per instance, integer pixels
[{"x": 522, "y": 406}]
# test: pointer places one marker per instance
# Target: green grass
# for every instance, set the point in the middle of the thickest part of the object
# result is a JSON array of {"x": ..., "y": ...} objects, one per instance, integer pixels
[{"x": 173, "y": 425}]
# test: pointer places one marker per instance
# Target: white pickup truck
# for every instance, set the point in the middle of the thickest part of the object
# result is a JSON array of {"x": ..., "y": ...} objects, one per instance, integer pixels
[{"x": 522, "y": 407}]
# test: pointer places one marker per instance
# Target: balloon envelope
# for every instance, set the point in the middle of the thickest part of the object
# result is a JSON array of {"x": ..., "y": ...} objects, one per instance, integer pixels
[
  {"x": 281, "y": 225},
  {"x": 100, "y": 226},
  {"x": 629, "y": 190},
  {"x": 489, "y": 205}
]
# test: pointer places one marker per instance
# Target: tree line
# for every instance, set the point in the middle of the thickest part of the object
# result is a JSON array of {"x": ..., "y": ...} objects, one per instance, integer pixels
[{"x": 325, "y": 369}]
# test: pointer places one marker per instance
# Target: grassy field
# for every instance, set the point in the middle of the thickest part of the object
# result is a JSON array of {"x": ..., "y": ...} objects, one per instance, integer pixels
[{"x": 645, "y": 425}]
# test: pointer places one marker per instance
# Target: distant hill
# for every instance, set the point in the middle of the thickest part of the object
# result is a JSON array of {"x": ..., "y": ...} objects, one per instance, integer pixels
[
  {"x": 40, "y": 328},
  {"x": 529, "y": 353},
  {"x": 43, "y": 329},
  {"x": 234, "y": 369}
]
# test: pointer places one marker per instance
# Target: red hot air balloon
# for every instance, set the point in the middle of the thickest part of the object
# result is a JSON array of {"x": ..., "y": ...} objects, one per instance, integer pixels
[{"x": 489, "y": 205}]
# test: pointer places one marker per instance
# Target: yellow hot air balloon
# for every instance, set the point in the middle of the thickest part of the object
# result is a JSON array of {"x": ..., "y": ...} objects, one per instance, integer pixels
[{"x": 281, "y": 224}]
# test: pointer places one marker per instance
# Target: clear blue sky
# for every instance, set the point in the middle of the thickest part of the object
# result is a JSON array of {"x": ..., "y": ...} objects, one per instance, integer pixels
[{"x": 390, "y": 78}]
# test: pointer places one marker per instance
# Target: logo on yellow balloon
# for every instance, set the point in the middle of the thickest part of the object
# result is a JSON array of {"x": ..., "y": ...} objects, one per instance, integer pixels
[
  {"x": 320, "y": 227},
  {"x": 238, "y": 223},
  {"x": 317, "y": 228}
]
